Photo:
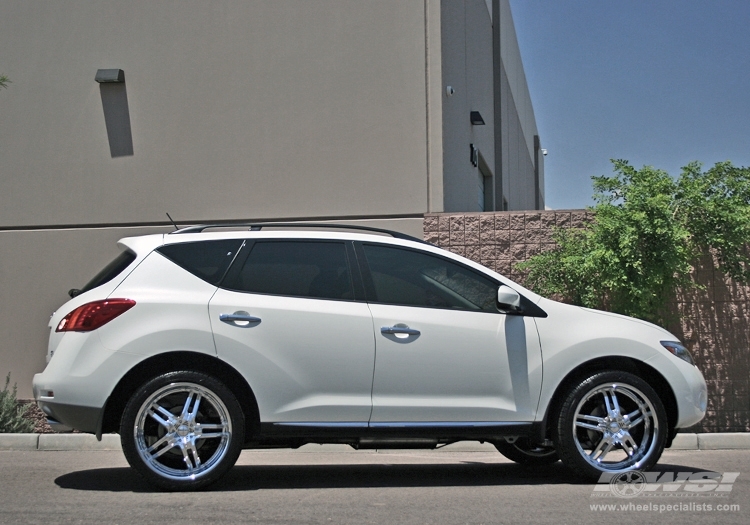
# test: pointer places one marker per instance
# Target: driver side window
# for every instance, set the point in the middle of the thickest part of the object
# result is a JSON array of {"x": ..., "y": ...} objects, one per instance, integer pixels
[{"x": 410, "y": 278}]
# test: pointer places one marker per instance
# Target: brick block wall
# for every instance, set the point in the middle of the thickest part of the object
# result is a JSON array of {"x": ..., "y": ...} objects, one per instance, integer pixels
[{"x": 715, "y": 321}]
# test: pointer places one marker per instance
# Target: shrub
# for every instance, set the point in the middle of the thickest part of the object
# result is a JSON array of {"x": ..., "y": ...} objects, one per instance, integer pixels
[
  {"x": 11, "y": 412},
  {"x": 648, "y": 232}
]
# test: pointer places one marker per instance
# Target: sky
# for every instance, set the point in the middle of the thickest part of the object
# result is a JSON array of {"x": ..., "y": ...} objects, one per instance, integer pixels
[{"x": 655, "y": 82}]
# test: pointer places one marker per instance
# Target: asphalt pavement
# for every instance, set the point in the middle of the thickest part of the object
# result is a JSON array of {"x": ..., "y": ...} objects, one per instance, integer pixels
[{"x": 332, "y": 484}]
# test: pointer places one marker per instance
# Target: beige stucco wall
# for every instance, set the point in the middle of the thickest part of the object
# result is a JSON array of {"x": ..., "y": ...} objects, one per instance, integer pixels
[{"x": 238, "y": 109}]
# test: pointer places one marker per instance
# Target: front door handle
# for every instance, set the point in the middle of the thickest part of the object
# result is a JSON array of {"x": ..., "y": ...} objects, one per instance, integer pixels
[
  {"x": 399, "y": 330},
  {"x": 241, "y": 319}
]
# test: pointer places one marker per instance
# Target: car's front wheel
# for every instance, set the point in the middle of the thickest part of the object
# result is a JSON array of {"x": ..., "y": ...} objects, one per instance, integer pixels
[
  {"x": 610, "y": 422},
  {"x": 182, "y": 430}
]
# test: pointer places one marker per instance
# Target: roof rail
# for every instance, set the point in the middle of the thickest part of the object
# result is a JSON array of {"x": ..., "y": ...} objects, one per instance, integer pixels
[{"x": 256, "y": 226}]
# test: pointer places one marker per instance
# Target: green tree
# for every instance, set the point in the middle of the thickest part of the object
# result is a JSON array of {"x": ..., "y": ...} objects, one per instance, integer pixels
[{"x": 646, "y": 233}]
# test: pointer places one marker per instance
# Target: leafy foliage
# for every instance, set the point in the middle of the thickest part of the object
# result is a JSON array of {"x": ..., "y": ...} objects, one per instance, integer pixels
[
  {"x": 648, "y": 229},
  {"x": 4, "y": 81},
  {"x": 11, "y": 414}
]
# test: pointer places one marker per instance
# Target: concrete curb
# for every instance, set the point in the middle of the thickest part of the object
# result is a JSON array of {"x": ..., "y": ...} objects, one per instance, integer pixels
[
  {"x": 50, "y": 442},
  {"x": 78, "y": 442}
]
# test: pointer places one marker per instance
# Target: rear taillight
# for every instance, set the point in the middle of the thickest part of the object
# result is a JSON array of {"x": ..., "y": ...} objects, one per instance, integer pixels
[{"x": 91, "y": 316}]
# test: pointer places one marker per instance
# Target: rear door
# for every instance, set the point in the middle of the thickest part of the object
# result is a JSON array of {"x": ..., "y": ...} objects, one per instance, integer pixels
[{"x": 286, "y": 318}]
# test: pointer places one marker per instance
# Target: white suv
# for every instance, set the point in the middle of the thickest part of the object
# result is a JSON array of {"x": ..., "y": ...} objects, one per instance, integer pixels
[{"x": 196, "y": 344}]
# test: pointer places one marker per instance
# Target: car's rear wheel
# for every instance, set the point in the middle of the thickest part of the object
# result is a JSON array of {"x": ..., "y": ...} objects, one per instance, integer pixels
[
  {"x": 610, "y": 422},
  {"x": 182, "y": 430},
  {"x": 525, "y": 452}
]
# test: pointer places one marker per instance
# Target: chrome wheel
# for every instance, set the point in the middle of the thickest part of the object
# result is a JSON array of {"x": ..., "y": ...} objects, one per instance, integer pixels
[
  {"x": 615, "y": 427},
  {"x": 612, "y": 422},
  {"x": 182, "y": 430}
]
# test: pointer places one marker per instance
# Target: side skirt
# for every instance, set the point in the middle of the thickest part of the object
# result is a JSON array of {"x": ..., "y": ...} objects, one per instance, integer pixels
[{"x": 387, "y": 434}]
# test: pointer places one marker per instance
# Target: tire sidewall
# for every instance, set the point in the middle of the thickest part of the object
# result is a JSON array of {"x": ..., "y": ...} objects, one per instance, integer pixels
[{"x": 129, "y": 421}]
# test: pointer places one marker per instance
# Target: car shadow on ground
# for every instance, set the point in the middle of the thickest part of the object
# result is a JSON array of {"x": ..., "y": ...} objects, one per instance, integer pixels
[{"x": 248, "y": 477}]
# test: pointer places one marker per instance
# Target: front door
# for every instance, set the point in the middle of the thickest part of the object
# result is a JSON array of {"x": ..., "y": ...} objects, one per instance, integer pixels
[{"x": 443, "y": 351}]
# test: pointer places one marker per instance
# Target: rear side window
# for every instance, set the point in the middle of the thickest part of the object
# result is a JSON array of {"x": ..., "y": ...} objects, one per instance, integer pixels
[
  {"x": 109, "y": 272},
  {"x": 208, "y": 260},
  {"x": 297, "y": 268}
]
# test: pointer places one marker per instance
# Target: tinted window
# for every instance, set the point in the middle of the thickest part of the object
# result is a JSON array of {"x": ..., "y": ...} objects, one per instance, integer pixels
[
  {"x": 297, "y": 268},
  {"x": 208, "y": 260},
  {"x": 412, "y": 278},
  {"x": 110, "y": 271}
]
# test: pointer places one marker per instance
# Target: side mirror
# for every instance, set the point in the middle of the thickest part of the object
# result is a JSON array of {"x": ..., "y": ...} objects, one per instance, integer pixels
[{"x": 508, "y": 299}]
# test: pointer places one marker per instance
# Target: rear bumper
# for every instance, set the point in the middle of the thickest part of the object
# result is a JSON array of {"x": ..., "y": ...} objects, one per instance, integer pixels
[{"x": 64, "y": 417}]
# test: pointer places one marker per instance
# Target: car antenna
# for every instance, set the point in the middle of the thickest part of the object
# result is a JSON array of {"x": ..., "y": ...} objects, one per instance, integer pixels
[{"x": 172, "y": 221}]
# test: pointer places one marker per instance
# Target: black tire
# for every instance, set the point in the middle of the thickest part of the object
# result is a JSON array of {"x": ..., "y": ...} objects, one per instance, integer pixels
[
  {"x": 182, "y": 430},
  {"x": 610, "y": 422},
  {"x": 525, "y": 452}
]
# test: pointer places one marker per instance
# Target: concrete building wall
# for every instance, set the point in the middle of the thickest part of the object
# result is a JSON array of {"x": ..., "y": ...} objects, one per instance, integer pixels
[
  {"x": 522, "y": 186},
  {"x": 467, "y": 68},
  {"x": 228, "y": 102}
]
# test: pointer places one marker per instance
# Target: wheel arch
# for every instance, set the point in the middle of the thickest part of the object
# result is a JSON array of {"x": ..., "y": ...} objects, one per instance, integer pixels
[
  {"x": 178, "y": 360},
  {"x": 625, "y": 364}
]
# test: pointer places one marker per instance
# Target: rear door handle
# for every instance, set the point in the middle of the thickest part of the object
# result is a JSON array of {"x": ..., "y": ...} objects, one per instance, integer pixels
[
  {"x": 399, "y": 330},
  {"x": 241, "y": 319}
]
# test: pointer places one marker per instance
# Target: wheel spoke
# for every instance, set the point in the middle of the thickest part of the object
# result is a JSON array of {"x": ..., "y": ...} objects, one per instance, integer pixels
[
  {"x": 615, "y": 403},
  {"x": 194, "y": 412},
  {"x": 589, "y": 426},
  {"x": 629, "y": 444},
  {"x": 165, "y": 439},
  {"x": 186, "y": 458},
  {"x": 194, "y": 453},
  {"x": 209, "y": 426},
  {"x": 172, "y": 444},
  {"x": 637, "y": 421},
  {"x": 590, "y": 418},
  {"x": 186, "y": 406},
  {"x": 601, "y": 450},
  {"x": 168, "y": 415},
  {"x": 211, "y": 435},
  {"x": 610, "y": 399}
]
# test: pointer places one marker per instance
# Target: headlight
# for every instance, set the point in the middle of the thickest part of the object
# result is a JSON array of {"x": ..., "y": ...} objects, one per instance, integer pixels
[{"x": 678, "y": 350}]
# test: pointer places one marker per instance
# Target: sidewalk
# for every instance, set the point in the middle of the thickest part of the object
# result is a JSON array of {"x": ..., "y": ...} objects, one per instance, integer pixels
[{"x": 718, "y": 441}]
